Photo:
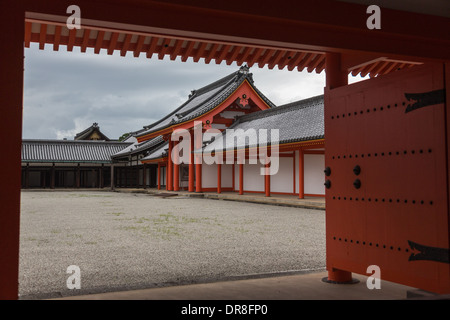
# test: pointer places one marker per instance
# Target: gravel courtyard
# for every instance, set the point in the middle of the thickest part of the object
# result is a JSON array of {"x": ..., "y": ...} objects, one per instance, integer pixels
[{"x": 126, "y": 241}]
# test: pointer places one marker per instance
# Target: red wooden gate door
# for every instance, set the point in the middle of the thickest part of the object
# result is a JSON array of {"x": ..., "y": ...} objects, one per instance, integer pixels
[{"x": 386, "y": 178}]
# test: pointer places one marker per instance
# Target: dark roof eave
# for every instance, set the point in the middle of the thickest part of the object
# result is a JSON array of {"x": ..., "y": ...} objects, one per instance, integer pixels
[
  {"x": 283, "y": 142},
  {"x": 67, "y": 161}
]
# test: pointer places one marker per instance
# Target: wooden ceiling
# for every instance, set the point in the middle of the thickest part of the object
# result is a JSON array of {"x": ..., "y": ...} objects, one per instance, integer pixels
[{"x": 57, "y": 34}]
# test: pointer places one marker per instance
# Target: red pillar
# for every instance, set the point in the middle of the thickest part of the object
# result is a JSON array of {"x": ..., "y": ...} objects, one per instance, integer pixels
[
  {"x": 176, "y": 168},
  {"x": 233, "y": 179},
  {"x": 169, "y": 177},
  {"x": 191, "y": 164},
  {"x": 198, "y": 141},
  {"x": 301, "y": 174},
  {"x": 198, "y": 177},
  {"x": 241, "y": 178},
  {"x": 159, "y": 176},
  {"x": 11, "y": 85},
  {"x": 267, "y": 180},
  {"x": 219, "y": 178},
  {"x": 336, "y": 77}
]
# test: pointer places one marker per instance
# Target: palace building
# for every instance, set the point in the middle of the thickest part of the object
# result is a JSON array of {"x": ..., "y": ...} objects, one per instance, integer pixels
[{"x": 147, "y": 158}]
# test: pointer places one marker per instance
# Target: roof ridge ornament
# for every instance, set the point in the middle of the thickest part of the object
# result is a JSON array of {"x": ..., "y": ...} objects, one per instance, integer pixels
[
  {"x": 244, "y": 69},
  {"x": 193, "y": 92}
]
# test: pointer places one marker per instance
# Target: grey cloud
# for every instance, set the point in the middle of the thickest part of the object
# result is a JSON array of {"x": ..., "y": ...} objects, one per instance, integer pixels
[{"x": 64, "y": 91}]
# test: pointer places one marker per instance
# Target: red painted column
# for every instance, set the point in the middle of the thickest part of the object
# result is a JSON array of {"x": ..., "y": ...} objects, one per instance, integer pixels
[
  {"x": 198, "y": 177},
  {"x": 301, "y": 174},
  {"x": 241, "y": 178},
  {"x": 233, "y": 179},
  {"x": 11, "y": 91},
  {"x": 176, "y": 168},
  {"x": 293, "y": 171},
  {"x": 159, "y": 176},
  {"x": 219, "y": 178},
  {"x": 191, "y": 164},
  {"x": 198, "y": 141},
  {"x": 169, "y": 176},
  {"x": 335, "y": 77},
  {"x": 267, "y": 180}
]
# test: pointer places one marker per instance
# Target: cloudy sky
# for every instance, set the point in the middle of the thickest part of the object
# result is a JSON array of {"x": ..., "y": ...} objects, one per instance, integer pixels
[{"x": 65, "y": 92}]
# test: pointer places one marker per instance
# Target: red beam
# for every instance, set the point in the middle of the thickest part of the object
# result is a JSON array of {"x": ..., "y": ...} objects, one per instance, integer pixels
[
  {"x": 243, "y": 57},
  {"x": 57, "y": 38},
  {"x": 99, "y": 41},
  {"x": 139, "y": 44},
  {"x": 199, "y": 52},
  {"x": 27, "y": 34},
  {"x": 388, "y": 68},
  {"x": 223, "y": 53},
  {"x": 286, "y": 59},
  {"x": 212, "y": 53},
  {"x": 71, "y": 41},
  {"x": 152, "y": 47},
  {"x": 305, "y": 61},
  {"x": 125, "y": 45},
  {"x": 42, "y": 36},
  {"x": 321, "y": 66},
  {"x": 176, "y": 49},
  {"x": 85, "y": 41},
  {"x": 379, "y": 66},
  {"x": 265, "y": 58},
  {"x": 233, "y": 54},
  {"x": 255, "y": 56},
  {"x": 316, "y": 62},
  {"x": 113, "y": 42},
  {"x": 188, "y": 51},
  {"x": 275, "y": 59}
]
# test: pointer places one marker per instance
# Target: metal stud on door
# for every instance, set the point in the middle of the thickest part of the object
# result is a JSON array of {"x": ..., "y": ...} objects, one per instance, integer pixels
[{"x": 387, "y": 197}]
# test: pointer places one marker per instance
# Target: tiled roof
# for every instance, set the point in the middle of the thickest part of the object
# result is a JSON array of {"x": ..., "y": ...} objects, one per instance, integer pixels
[
  {"x": 158, "y": 153},
  {"x": 205, "y": 99},
  {"x": 136, "y": 147},
  {"x": 297, "y": 121},
  {"x": 84, "y": 135},
  {"x": 70, "y": 150}
]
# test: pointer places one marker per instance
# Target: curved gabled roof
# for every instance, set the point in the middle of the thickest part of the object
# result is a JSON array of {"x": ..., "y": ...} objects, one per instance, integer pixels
[
  {"x": 86, "y": 134},
  {"x": 157, "y": 153},
  {"x": 139, "y": 147},
  {"x": 203, "y": 100},
  {"x": 297, "y": 121}
]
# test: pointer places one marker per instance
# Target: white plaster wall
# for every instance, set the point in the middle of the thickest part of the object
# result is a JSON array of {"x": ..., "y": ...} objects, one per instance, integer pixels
[
  {"x": 253, "y": 180},
  {"x": 227, "y": 178},
  {"x": 314, "y": 175},
  {"x": 163, "y": 176},
  {"x": 283, "y": 181},
  {"x": 209, "y": 175}
]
